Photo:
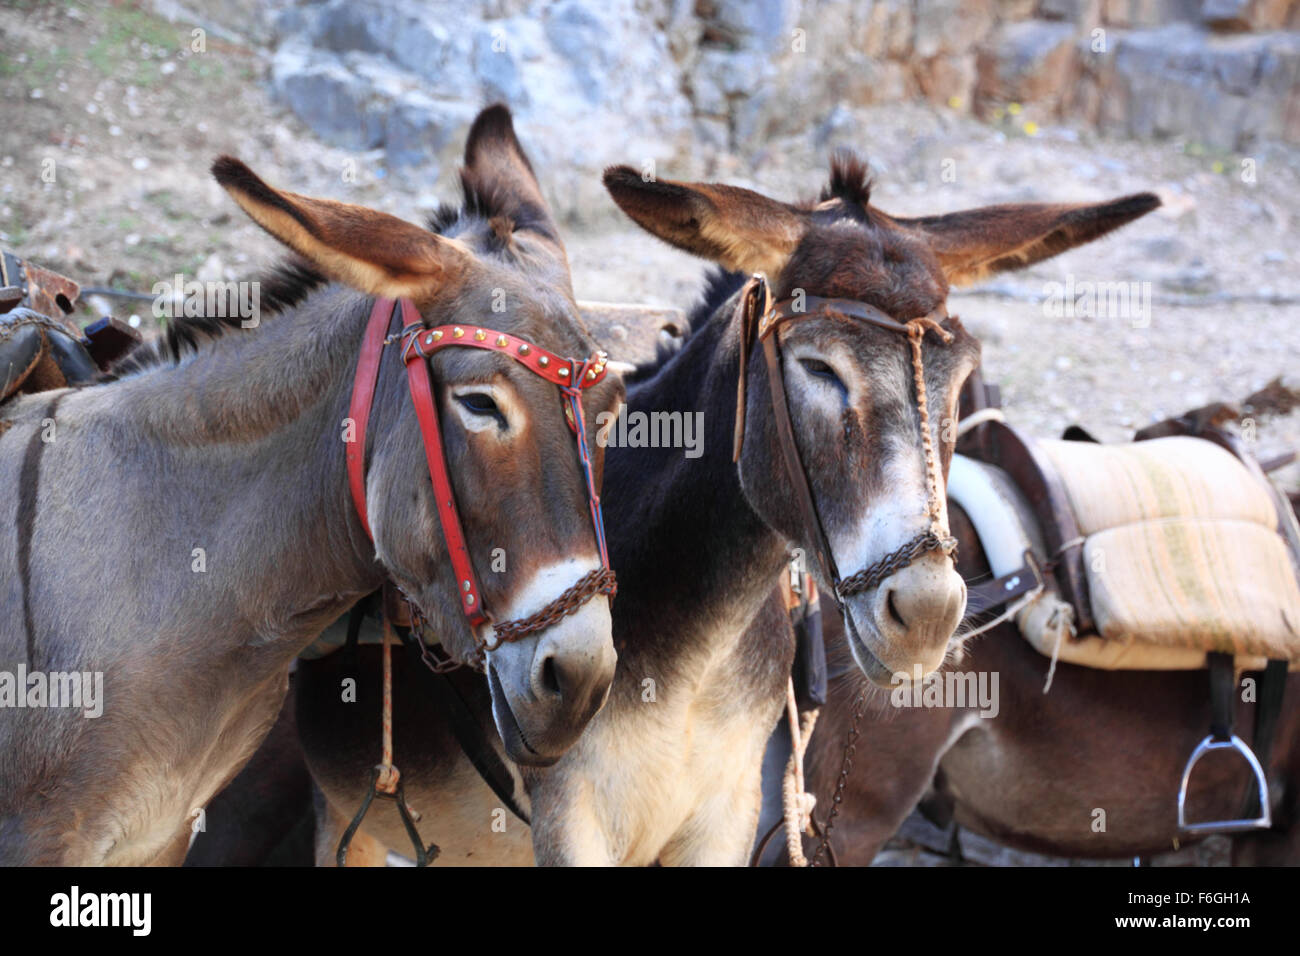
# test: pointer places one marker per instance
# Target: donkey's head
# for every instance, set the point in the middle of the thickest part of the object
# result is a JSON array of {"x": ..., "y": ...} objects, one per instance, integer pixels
[
  {"x": 877, "y": 484},
  {"x": 494, "y": 275}
]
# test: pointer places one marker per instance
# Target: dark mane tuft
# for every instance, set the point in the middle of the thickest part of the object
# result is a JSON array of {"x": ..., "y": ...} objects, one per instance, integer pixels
[
  {"x": 850, "y": 179},
  {"x": 287, "y": 284},
  {"x": 491, "y": 199},
  {"x": 719, "y": 286}
]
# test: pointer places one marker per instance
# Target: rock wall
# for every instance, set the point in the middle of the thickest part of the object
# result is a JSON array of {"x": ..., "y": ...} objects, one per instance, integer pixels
[{"x": 650, "y": 81}]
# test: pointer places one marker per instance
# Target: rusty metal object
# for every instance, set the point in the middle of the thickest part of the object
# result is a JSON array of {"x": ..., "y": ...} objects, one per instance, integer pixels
[
  {"x": 632, "y": 332},
  {"x": 42, "y": 290}
]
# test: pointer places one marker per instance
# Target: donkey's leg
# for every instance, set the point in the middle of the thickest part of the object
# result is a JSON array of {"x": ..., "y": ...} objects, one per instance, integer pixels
[
  {"x": 571, "y": 835},
  {"x": 364, "y": 849}
]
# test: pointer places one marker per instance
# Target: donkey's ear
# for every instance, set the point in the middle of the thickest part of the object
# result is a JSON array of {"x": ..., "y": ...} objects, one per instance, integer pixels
[
  {"x": 739, "y": 229},
  {"x": 499, "y": 178},
  {"x": 369, "y": 250},
  {"x": 977, "y": 243}
]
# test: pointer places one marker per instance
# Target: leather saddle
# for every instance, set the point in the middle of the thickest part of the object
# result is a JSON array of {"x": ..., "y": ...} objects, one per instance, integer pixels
[
  {"x": 1152, "y": 554},
  {"x": 40, "y": 348}
]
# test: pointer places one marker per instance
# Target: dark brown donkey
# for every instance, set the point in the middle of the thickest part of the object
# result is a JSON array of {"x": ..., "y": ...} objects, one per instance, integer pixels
[
  {"x": 185, "y": 530},
  {"x": 1034, "y": 776},
  {"x": 669, "y": 771}
]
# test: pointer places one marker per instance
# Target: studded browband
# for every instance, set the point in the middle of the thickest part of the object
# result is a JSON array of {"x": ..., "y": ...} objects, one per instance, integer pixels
[
  {"x": 418, "y": 343},
  {"x": 760, "y": 318}
]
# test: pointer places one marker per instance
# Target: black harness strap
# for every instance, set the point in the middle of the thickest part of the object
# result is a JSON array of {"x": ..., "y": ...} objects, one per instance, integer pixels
[
  {"x": 467, "y": 730},
  {"x": 809, "y": 669},
  {"x": 1221, "y": 695},
  {"x": 1268, "y": 709}
]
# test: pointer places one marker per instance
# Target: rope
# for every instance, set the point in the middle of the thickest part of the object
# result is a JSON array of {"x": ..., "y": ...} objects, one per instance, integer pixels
[
  {"x": 916, "y": 330},
  {"x": 388, "y": 774},
  {"x": 797, "y": 801},
  {"x": 573, "y": 395},
  {"x": 1062, "y": 620}
]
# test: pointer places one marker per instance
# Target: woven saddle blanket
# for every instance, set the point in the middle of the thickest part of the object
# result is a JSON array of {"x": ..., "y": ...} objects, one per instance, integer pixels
[{"x": 1181, "y": 545}]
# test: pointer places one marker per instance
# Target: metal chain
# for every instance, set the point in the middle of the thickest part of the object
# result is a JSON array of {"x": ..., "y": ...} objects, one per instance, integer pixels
[
  {"x": 846, "y": 766},
  {"x": 599, "y": 581},
  {"x": 868, "y": 578}
]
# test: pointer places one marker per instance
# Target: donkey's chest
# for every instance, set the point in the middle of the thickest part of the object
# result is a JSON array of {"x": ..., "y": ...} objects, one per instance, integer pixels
[{"x": 653, "y": 770}]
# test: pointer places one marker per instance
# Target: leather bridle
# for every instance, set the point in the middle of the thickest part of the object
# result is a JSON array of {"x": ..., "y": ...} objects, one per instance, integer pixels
[
  {"x": 760, "y": 318},
  {"x": 418, "y": 344}
]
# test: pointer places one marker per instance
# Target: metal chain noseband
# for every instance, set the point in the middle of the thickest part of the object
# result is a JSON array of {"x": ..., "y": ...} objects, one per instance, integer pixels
[
  {"x": 896, "y": 560},
  {"x": 598, "y": 581}
]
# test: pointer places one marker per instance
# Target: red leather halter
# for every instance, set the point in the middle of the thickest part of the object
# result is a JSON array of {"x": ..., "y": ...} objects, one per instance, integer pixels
[{"x": 418, "y": 344}]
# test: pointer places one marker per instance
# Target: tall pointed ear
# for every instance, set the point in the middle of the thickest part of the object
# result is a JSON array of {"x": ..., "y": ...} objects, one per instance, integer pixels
[
  {"x": 499, "y": 179},
  {"x": 739, "y": 229},
  {"x": 369, "y": 250},
  {"x": 977, "y": 243}
]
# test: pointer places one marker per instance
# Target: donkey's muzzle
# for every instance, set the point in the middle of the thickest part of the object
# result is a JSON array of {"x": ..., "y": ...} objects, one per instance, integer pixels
[
  {"x": 905, "y": 624},
  {"x": 546, "y": 690}
]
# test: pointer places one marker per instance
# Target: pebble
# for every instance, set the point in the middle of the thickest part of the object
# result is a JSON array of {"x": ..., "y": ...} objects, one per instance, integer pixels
[{"x": 140, "y": 162}]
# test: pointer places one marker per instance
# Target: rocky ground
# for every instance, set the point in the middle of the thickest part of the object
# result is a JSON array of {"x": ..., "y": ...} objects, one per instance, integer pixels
[{"x": 112, "y": 116}]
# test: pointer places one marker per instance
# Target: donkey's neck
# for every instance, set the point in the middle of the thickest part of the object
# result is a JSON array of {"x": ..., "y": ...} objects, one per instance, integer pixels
[
  {"x": 694, "y": 560},
  {"x": 238, "y": 466}
]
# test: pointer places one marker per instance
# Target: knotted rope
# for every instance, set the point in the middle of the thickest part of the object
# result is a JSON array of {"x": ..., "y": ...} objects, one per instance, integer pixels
[
  {"x": 916, "y": 329},
  {"x": 797, "y": 801}
]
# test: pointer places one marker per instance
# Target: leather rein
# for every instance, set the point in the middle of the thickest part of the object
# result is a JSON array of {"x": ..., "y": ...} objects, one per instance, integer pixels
[
  {"x": 418, "y": 344},
  {"x": 760, "y": 318}
]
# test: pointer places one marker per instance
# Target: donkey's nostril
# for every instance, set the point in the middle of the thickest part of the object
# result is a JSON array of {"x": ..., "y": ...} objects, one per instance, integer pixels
[
  {"x": 550, "y": 678},
  {"x": 893, "y": 609}
]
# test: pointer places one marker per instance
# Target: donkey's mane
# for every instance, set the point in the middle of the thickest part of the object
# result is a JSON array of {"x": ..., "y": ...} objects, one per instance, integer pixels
[
  {"x": 285, "y": 285},
  {"x": 719, "y": 286},
  {"x": 850, "y": 179},
  {"x": 490, "y": 202}
]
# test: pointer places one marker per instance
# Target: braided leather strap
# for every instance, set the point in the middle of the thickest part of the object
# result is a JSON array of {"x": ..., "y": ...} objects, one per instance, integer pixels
[
  {"x": 869, "y": 577},
  {"x": 599, "y": 581}
]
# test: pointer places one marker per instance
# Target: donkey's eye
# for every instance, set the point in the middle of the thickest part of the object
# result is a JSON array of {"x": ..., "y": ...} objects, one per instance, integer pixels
[
  {"x": 819, "y": 369},
  {"x": 482, "y": 404}
]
